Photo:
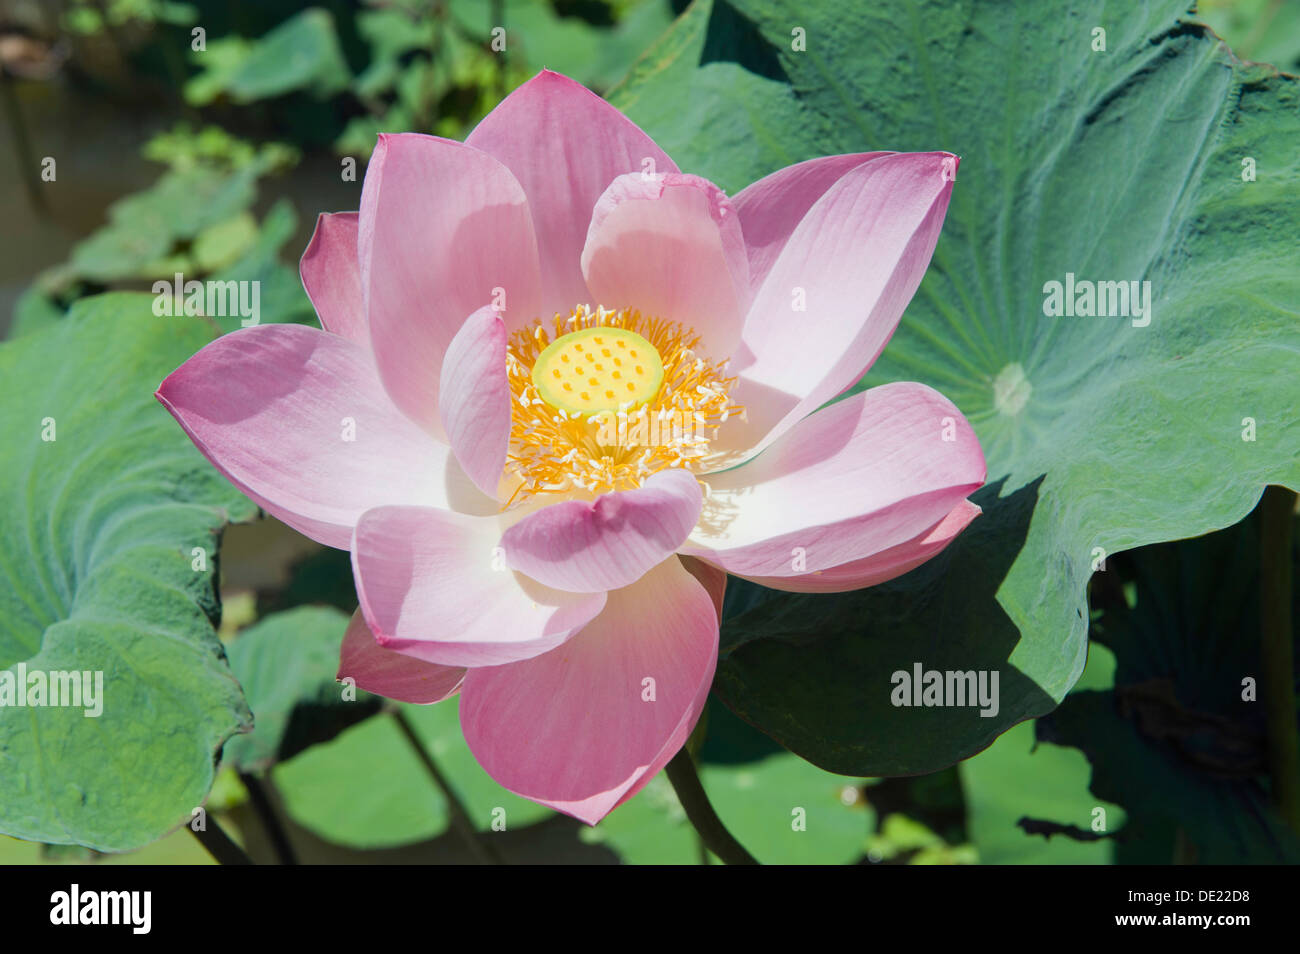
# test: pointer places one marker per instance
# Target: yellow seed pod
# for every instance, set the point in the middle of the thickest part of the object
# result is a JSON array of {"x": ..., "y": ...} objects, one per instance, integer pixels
[{"x": 598, "y": 369}]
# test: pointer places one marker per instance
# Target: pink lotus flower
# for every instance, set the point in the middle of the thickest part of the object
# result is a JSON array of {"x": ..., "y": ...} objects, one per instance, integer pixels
[{"x": 444, "y": 426}]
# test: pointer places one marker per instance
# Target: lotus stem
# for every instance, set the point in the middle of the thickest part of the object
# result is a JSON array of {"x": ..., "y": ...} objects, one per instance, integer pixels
[
  {"x": 484, "y": 853},
  {"x": 220, "y": 845},
  {"x": 686, "y": 782},
  {"x": 261, "y": 803}
]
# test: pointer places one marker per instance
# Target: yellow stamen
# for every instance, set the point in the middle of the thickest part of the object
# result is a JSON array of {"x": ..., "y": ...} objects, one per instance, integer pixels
[{"x": 615, "y": 431}]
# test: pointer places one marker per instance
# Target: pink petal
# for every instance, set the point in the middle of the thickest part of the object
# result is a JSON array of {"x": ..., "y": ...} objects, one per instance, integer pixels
[
  {"x": 609, "y": 542},
  {"x": 444, "y": 228},
  {"x": 714, "y": 582},
  {"x": 857, "y": 257},
  {"x": 565, "y": 145},
  {"x": 273, "y": 406},
  {"x": 332, "y": 276},
  {"x": 475, "y": 398},
  {"x": 433, "y": 585},
  {"x": 572, "y": 729},
  {"x": 391, "y": 674},
  {"x": 882, "y": 566},
  {"x": 866, "y": 474},
  {"x": 772, "y": 207},
  {"x": 671, "y": 247},
  {"x": 711, "y": 578}
]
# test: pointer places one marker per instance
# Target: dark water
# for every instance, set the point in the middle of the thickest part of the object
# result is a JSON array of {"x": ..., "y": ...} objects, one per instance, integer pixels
[{"x": 96, "y": 149}]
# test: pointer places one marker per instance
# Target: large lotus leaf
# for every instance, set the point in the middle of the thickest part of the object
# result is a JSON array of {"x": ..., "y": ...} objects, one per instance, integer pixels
[
  {"x": 286, "y": 663},
  {"x": 367, "y": 789},
  {"x": 1027, "y": 802},
  {"x": 33, "y": 311},
  {"x": 782, "y": 809},
  {"x": 178, "y": 848},
  {"x": 1160, "y": 159},
  {"x": 1179, "y": 736},
  {"x": 108, "y": 530}
]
